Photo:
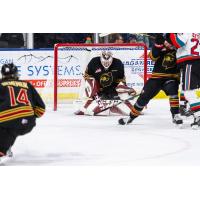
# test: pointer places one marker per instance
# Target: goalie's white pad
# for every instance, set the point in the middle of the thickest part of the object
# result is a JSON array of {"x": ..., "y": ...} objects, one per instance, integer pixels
[
  {"x": 91, "y": 107},
  {"x": 91, "y": 87}
]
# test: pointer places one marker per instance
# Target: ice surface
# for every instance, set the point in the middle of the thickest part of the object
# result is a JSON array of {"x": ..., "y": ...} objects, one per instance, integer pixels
[{"x": 63, "y": 139}]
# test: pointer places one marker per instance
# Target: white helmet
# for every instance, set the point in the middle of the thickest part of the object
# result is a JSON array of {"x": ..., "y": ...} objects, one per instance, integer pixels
[{"x": 106, "y": 59}]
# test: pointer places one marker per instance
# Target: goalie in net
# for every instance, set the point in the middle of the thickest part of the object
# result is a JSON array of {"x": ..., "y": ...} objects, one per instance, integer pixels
[{"x": 105, "y": 87}]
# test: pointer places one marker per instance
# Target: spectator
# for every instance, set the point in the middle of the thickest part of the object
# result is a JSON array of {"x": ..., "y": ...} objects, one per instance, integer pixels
[
  {"x": 12, "y": 40},
  {"x": 47, "y": 40},
  {"x": 88, "y": 40},
  {"x": 141, "y": 38},
  {"x": 132, "y": 39},
  {"x": 152, "y": 39},
  {"x": 117, "y": 38},
  {"x": 39, "y": 40}
]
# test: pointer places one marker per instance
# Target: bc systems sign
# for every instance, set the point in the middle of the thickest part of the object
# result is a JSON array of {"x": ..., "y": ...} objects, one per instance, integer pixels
[{"x": 36, "y": 66}]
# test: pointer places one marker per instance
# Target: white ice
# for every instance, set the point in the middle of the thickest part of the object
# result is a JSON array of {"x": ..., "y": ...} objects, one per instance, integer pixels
[{"x": 63, "y": 139}]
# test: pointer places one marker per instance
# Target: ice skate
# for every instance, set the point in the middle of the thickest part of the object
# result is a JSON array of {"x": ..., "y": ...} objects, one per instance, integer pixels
[
  {"x": 196, "y": 124},
  {"x": 9, "y": 153},
  {"x": 177, "y": 120},
  {"x": 127, "y": 120},
  {"x": 184, "y": 111},
  {"x": 4, "y": 159}
]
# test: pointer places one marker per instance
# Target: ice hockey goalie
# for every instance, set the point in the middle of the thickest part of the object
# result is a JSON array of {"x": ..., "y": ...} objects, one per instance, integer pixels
[
  {"x": 100, "y": 105},
  {"x": 105, "y": 87}
]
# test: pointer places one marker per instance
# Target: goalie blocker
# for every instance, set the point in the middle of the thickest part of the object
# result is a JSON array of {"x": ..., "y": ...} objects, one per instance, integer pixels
[{"x": 101, "y": 104}]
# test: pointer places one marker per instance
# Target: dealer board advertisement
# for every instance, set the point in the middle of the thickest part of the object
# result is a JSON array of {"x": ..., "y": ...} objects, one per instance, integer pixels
[{"x": 37, "y": 66}]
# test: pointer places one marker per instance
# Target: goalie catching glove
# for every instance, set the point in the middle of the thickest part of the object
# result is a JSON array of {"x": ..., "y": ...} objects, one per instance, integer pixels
[{"x": 121, "y": 89}]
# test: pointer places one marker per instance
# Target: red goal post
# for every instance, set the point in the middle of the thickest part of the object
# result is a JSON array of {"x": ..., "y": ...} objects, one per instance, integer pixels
[{"x": 91, "y": 46}]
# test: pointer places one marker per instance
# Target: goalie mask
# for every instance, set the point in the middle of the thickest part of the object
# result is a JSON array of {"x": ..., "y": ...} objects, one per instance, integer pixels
[{"x": 106, "y": 59}]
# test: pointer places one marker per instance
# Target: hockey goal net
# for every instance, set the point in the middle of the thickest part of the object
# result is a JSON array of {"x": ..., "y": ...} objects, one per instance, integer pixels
[{"x": 70, "y": 61}]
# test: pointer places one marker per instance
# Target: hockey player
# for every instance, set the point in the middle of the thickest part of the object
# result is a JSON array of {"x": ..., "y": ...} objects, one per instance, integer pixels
[
  {"x": 188, "y": 59},
  {"x": 20, "y": 105},
  {"x": 105, "y": 81},
  {"x": 165, "y": 76}
]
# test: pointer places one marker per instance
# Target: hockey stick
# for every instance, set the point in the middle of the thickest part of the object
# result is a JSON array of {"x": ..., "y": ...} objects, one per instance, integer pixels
[{"x": 118, "y": 103}]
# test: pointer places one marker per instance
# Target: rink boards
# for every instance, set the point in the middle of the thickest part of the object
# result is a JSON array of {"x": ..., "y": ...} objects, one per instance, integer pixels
[{"x": 37, "y": 66}]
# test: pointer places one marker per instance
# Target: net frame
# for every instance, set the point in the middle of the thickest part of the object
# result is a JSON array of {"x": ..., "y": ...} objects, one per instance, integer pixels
[{"x": 58, "y": 45}]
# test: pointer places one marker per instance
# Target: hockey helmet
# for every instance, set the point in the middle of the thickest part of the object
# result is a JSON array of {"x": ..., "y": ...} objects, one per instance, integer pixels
[
  {"x": 106, "y": 59},
  {"x": 9, "y": 71}
]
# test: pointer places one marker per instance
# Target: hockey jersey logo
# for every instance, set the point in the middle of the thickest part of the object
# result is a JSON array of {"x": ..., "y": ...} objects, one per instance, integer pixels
[
  {"x": 98, "y": 70},
  {"x": 106, "y": 79}
]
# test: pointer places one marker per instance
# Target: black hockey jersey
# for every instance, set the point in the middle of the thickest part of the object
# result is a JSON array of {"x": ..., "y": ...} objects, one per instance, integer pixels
[
  {"x": 20, "y": 104},
  {"x": 165, "y": 63},
  {"x": 108, "y": 79}
]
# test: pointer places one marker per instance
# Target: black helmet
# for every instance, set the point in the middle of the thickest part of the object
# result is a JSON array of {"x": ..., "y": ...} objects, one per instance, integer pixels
[{"x": 9, "y": 71}]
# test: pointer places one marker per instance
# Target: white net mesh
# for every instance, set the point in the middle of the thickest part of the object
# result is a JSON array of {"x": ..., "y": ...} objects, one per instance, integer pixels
[{"x": 72, "y": 62}]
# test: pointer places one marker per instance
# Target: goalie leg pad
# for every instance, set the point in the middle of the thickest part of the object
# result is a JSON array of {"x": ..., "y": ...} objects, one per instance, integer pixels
[
  {"x": 91, "y": 87},
  {"x": 83, "y": 109}
]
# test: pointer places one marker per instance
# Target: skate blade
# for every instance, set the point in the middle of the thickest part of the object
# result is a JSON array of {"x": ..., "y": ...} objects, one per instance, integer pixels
[
  {"x": 180, "y": 126},
  {"x": 4, "y": 160},
  {"x": 195, "y": 127}
]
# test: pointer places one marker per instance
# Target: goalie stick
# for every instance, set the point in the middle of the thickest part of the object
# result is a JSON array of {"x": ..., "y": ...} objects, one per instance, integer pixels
[{"x": 118, "y": 103}]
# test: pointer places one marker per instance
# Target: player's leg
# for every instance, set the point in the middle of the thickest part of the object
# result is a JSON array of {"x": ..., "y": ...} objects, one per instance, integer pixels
[
  {"x": 23, "y": 131},
  {"x": 6, "y": 139},
  {"x": 191, "y": 82},
  {"x": 170, "y": 87},
  {"x": 184, "y": 107},
  {"x": 6, "y": 142},
  {"x": 150, "y": 90}
]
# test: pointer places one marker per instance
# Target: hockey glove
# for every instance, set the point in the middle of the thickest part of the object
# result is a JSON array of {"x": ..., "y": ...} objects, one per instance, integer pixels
[{"x": 160, "y": 39}]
